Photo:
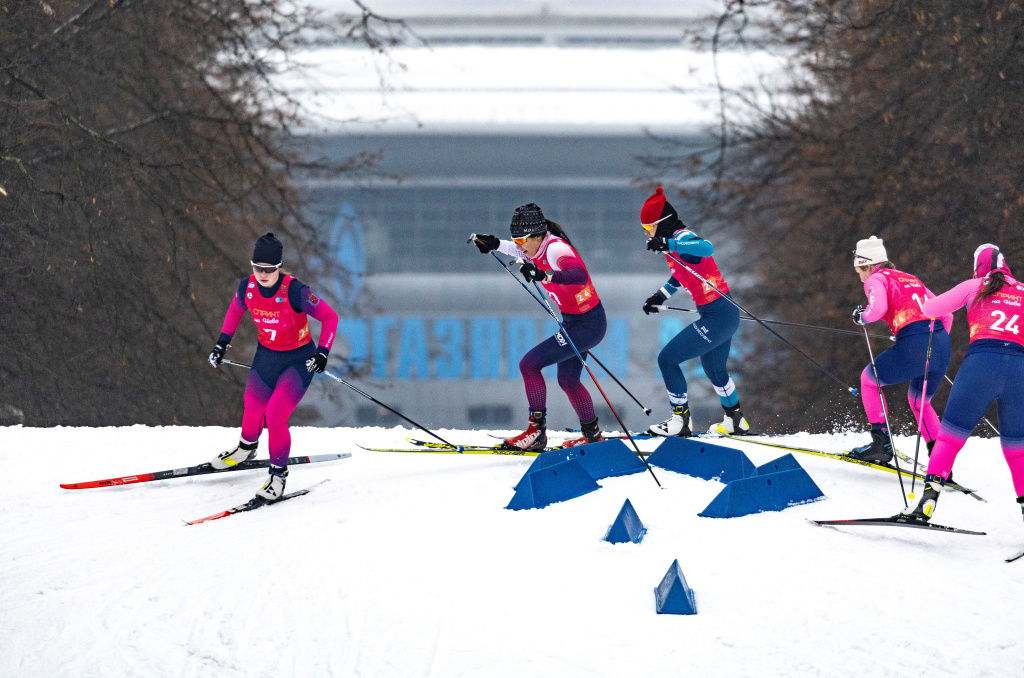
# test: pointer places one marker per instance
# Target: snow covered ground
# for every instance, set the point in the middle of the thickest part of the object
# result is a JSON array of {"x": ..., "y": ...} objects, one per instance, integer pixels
[{"x": 408, "y": 565}]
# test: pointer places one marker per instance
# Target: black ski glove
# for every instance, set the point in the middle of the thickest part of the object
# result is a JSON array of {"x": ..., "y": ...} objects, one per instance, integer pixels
[
  {"x": 317, "y": 363},
  {"x": 217, "y": 354},
  {"x": 857, "y": 313},
  {"x": 653, "y": 301},
  {"x": 485, "y": 243},
  {"x": 531, "y": 272},
  {"x": 658, "y": 244}
]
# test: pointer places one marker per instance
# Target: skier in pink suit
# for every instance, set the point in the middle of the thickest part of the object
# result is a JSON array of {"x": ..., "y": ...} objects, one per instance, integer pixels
[
  {"x": 285, "y": 362},
  {"x": 896, "y": 297},
  {"x": 993, "y": 369},
  {"x": 550, "y": 259}
]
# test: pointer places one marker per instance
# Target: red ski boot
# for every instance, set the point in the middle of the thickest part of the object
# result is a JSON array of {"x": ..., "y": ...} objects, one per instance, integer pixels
[
  {"x": 533, "y": 439},
  {"x": 591, "y": 434}
]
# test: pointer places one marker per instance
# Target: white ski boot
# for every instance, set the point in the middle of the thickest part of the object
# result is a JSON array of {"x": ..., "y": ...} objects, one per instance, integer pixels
[
  {"x": 273, "y": 489},
  {"x": 243, "y": 452},
  {"x": 678, "y": 424}
]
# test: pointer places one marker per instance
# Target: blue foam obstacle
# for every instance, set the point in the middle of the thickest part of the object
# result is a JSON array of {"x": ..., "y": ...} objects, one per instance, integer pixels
[
  {"x": 673, "y": 596},
  {"x": 600, "y": 460},
  {"x": 627, "y": 526},
  {"x": 702, "y": 460},
  {"x": 784, "y": 463},
  {"x": 559, "y": 482},
  {"x": 771, "y": 492}
]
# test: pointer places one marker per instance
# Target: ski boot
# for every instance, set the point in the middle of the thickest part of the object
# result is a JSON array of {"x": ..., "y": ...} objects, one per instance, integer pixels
[
  {"x": 591, "y": 434},
  {"x": 533, "y": 439},
  {"x": 879, "y": 451},
  {"x": 678, "y": 424},
  {"x": 243, "y": 452},
  {"x": 273, "y": 489},
  {"x": 734, "y": 422},
  {"x": 933, "y": 484}
]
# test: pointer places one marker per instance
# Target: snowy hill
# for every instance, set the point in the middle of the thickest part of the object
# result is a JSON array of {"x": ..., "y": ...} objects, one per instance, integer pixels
[{"x": 408, "y": 565}]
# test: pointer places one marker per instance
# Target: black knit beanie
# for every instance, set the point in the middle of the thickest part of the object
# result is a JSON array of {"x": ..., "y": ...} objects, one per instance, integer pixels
[
  {"x": 268, "y": 250},
  {"x": 528, "y": 220}
]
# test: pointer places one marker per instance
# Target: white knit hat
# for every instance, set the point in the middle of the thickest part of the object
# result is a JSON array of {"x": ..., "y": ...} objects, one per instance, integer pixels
[{"x": 869, "y": 252}]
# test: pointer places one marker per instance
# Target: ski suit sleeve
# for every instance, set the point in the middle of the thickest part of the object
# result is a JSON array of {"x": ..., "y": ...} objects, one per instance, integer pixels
[
  {"x": 946, "y": 318},
  {"x": 670, "y": 287},
  {"x": 302, "y": 300},
  {"x": 508, "y": 247},
  {"x": 956, "y": 298},
  {"x": 877, "y": 291},
  {"x": 567, "y": 268},
  {"x": 686, "y": 244},
  {"x": 234, "y": 315}
]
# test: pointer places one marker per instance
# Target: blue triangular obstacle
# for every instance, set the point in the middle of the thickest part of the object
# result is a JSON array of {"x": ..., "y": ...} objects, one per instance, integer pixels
[
  {"x": 784, "y": 463},
  {"x": 702, "y": 460},
  {"x": 555, "y": 483},
  {"x": 673, "y": 596},
  {"x": 627, "y": 526},
  {"x": 772, "y": 492},
  {"x": 600, "y": 460}
]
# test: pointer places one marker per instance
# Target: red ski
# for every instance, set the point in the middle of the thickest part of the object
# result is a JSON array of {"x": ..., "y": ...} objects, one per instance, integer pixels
[{"x": 253, "y": 504}]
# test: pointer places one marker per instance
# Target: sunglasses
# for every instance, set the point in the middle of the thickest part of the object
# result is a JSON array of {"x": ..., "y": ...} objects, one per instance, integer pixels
[
  {"x": 651, "y": 227},
  {"x": 264, "y": 269},
  {"x": 520, "y": 241}
]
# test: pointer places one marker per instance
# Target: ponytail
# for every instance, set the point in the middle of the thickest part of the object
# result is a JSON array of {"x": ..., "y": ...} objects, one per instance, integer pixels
[
  {"x": 994, "y": 282},
  {"x": 559, "y": 232}
]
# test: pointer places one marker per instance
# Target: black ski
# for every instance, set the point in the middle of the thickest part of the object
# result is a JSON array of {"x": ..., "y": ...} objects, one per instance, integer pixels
[
  {"x": 1016, "y": 557},
  {"x": 252, "y": 505},
  {"x": 898, "y": 520},
  {"x": 201, "y": 469}
]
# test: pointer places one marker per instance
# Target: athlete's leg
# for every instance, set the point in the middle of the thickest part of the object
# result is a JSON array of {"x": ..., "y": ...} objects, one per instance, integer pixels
[
  {"x": 1011, "y": 420},
  {"x": 257, "y": 395},
  {"x": 291, "y": 386},
  {"x": 977, "y": 383},
  {"x": 922, "y": 406}
]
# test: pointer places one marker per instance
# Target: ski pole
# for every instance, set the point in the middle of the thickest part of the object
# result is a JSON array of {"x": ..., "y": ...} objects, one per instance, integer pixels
[
  {"x": 985, "y": 419},
  {"x": 924, "y": 402},
  {"x": 761, "y": 322},
  {"x": 781, "y": 322},
  {"x": 625, "y": 430},
  {"x": 368, "y": 396},
  {"x": 540, "y": 301},
  {"x": 885, "y": 414}
]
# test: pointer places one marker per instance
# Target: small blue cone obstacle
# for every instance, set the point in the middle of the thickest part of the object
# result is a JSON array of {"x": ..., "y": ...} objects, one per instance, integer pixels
[
  {"x": 559, "y": 482},
  {"x": 702, "y": 460},
  {"x": 784, "y": 463},
  {"x": 600, "y": 460},
  {"x": 771, "y": 492},
  {"x": 627, "y": 526},
  {"x": 673, "y": 596}
]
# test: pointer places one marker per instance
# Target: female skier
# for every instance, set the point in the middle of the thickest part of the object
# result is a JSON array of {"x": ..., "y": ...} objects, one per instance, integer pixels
[
  {"x": 993, "y": 369},
  {"x": 285, "y": 361},
  {"x": 896, "y": 297},
  {"x": 710, "y": 337},
  {"x": 551, "y": 259}
]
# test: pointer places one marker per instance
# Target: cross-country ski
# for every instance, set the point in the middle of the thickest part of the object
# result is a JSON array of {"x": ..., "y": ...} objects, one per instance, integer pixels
[{"x": 252, "y": 505}]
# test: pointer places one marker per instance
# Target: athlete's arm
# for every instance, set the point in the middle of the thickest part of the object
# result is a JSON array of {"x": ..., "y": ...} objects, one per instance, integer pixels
[
  {"x": 566, "y": 266},
  {"x": 687, "y": 244},
  {"x": 235, "y": 312},
  {"x": 876, "y": 288},
  {"x": 302, "y": 300},
  {"x": 956, "y": 298}
]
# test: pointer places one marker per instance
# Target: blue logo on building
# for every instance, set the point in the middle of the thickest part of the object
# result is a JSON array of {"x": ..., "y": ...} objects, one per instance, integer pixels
[{"x": 349, "y": 247}]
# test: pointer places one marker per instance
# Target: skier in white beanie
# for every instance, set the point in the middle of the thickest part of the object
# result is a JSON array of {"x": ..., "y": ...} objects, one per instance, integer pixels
[{"x": 896, "y": 298}]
